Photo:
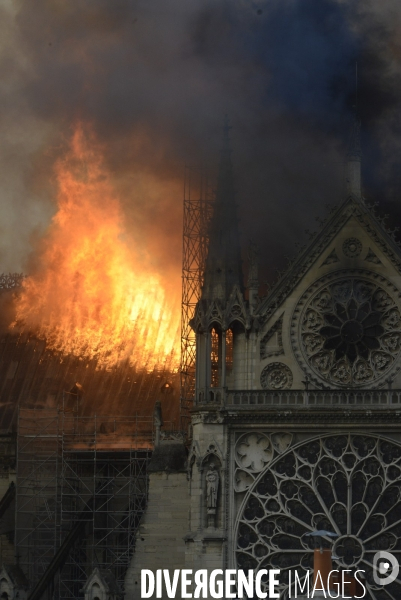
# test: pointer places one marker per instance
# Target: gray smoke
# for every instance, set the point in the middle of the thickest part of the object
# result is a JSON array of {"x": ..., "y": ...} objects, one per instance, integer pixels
[{"x": 155, "y": 80}]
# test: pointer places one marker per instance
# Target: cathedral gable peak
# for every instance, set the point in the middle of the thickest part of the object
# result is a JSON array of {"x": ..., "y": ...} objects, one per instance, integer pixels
[
  {"x": 351, "y": 236},
  {"x": 215, "y": 313},
  {"x": 199, "y": 322},
  {"x": 206, "y": 314},
  {"x": 236, "y": 309}
]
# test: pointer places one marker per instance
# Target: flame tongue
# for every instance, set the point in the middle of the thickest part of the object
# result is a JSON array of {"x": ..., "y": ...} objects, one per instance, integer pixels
[{"x": 91, "y": 295}]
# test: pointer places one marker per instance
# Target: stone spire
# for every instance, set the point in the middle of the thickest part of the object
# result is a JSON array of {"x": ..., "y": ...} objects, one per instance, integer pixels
[
  {"x": 223, "y": 264},
  {"x": 353, "y": 173},
  {"x": 253, "y": 276}
]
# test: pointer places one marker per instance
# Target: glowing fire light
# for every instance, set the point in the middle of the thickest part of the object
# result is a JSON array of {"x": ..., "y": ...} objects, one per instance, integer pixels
[{"x": 92, "y": 295}]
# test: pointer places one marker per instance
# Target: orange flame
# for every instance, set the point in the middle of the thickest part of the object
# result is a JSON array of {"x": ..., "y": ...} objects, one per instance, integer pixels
[{"x": 92, "y": 295}]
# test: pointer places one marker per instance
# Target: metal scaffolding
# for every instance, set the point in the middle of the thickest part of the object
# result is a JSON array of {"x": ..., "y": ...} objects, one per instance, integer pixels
[
  {"x": 81, "y": 492},
  {"x": 38, "y": 486},
  {"x": 11, "y": 281},
  {"x": 198, "y": 201}
]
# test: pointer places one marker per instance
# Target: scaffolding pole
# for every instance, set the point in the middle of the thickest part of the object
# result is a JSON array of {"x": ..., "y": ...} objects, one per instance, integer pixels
[
  {"x": 198, "y": 198},
  {"x": 105, "y": 459},
  {"x": 82, "y": 489}
]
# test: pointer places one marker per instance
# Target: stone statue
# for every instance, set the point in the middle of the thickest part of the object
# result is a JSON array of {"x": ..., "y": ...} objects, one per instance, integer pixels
[{"x": 212, "y": 487}]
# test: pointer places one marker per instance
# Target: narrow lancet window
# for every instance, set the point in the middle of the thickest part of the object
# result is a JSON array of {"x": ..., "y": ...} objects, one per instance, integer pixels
[
  {"x": 215, "y": 358},
  {"x": 229, "y": 352}
]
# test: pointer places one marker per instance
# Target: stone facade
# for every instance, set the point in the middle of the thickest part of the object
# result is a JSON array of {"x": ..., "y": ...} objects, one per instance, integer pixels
[
  {"x": 297, "y": 415},
  {"x": 160, "y": 538},
  {"x": 305, "y": 414}
]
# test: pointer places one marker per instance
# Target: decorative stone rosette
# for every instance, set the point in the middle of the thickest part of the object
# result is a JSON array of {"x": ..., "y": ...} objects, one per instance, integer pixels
[
  {"x": 276, "y": 376},
  {"x": 346, "y": 484},
  {"x": 347, "y": 330},
  {"x": 352, "y": 247}
]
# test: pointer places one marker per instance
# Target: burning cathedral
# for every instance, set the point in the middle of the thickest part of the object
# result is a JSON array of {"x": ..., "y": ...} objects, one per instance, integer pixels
[
  {"x": 296, "y": 422},
  {"x": 295, "y": 429}
]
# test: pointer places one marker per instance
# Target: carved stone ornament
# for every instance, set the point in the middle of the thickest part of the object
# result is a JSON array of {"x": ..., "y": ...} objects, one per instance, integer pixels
[
  {"x": 267, "y": 348},
  {"x": 331, "y": 259},
  {"x": 253, "y": 452},
  {"x": 346, "y": 329},
  {"x": 368, "y": 221},
  {"x": 276, "y": 376},
  {"x": 352, "y": 247},
  {"x": 344, "y": 483},
  {"x": 242, "y": 480},
  {"x": 371, "y": 257}
]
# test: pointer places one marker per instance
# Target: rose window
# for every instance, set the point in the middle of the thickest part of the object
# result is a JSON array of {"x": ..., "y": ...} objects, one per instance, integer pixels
[
  {"x": 349, "y": 331},
  {"x": 352, "y": 330},
  {"x": 347, "y": 484}
]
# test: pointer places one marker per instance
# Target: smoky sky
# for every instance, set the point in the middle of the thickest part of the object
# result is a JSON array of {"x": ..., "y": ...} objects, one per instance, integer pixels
[{"x": 154, "y": 78}]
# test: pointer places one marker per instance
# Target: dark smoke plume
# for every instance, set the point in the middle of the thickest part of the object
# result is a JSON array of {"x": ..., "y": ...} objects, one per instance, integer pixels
[{"x": 155, "y": 79}]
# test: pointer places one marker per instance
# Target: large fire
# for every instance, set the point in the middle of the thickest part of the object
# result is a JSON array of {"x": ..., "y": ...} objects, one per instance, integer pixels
[{"x": 91, "y": 294}]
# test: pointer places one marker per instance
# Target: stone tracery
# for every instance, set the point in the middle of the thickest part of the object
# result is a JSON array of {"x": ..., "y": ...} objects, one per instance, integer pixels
[
  {"x": 348, "y": 484},
  {"x": 352, "y": 247},
  {"x": 276, "y": 376},
  {"x": 350, "y": 330}
]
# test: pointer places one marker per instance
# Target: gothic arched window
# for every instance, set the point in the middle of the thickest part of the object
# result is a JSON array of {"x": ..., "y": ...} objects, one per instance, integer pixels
[
  {"x": 215, "y": 357},
  {"x": 229, "y": 351}
]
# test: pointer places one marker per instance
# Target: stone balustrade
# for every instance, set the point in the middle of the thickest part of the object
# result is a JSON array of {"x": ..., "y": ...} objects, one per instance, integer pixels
[{"x": 280, "y": 398}]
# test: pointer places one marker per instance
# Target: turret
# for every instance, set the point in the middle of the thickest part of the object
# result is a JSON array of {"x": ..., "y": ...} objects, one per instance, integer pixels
[{"x": 221, "y": 316}]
